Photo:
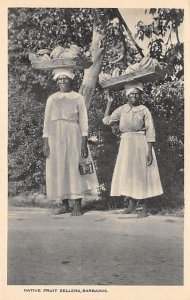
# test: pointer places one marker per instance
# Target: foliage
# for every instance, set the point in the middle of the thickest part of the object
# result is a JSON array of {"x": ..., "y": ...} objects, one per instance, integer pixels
[
  {"x": 31, "y": 29},
  {"x": 166, "y": 102},
  {"x": 164, "y": 21},
  {"x": 173, "y": 62}
]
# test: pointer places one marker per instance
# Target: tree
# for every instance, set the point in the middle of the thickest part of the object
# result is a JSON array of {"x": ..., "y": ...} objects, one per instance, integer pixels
[
  {"x": 164, "y": 21},
  {"x": 102, "y": 32},
  {"x": 31, "y": 29}
]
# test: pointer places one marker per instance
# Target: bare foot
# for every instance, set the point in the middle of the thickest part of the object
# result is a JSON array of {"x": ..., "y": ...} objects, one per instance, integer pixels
[
  {"x": 76, "y": 208},
  {"x": 142, "y": 210},
  {"x": 128, "y": 211},
  {"x": 140, "y": 216},
  {"x": 130, "y": 208},
  {"x": 63, "y": 209}
]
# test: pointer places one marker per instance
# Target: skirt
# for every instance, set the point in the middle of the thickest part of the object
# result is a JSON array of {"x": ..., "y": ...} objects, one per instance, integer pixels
[
  {"x": 132, "y": 177},
  {"x": 63, "y": 179}
]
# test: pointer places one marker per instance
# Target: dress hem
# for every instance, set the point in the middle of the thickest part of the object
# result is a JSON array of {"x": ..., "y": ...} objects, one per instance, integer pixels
[
  {"x": 134, "y": 197},
  {"x": 91, "y": 192}
]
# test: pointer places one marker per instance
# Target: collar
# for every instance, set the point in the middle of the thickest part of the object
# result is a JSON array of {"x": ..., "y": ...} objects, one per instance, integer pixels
[
  {"x": 70, "y": 95},
  {"x": 138, "y": 108}
]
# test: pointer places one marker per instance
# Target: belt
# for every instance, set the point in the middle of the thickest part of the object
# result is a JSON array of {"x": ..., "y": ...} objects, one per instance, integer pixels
[
  {"x": 141, "y": 132},
  {"x": 65, "y": 120}
]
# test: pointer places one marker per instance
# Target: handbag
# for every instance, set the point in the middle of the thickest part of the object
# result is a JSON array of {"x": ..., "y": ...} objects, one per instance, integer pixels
[{"x": 86, "y": 166}]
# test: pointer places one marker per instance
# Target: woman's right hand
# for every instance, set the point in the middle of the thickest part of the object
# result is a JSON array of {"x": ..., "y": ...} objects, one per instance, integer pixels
[
  {"x": 46, "y": 149},
  {"x": 108, "y": 96}
]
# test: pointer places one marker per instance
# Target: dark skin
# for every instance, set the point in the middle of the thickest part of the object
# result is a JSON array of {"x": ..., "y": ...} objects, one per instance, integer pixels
[
  {"x": 65, "y": 86},
  {"x": 133, "y": 99}
]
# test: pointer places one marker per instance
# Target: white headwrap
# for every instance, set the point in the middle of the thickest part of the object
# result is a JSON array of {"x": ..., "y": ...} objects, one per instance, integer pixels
[
  {"x": 129, "y": 87},
  {"x": 63, "y": 71}
]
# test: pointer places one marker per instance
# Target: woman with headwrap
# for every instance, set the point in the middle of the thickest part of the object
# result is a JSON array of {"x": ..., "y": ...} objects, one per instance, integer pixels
[
  {"x": 65, "y": 144},
  {"x": 136, "y": 175}
]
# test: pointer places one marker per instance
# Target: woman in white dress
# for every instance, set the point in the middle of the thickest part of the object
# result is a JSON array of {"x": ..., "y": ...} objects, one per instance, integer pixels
[
  {"x": 136, "y": 175},
  {"x": 65, "y": 144}
]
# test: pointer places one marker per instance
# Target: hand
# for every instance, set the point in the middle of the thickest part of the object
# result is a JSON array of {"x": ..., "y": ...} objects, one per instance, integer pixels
[
  {"x": 84, "y": 151},
  {"x": 46, "y": 148},
  {"x": 149, "y": 159},
  {"x": 108, "y": 96}
]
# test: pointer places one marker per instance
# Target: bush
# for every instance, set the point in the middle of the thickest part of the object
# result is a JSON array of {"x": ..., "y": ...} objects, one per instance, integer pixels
[{"x": 32, "y": 29}]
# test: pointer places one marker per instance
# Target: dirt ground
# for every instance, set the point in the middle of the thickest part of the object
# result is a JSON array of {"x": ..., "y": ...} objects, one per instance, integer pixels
[{"x": 98, "y": 248}]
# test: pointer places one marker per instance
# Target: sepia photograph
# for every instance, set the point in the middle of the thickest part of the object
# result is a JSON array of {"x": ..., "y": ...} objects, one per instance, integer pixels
[{"x": 95, "y": 149}]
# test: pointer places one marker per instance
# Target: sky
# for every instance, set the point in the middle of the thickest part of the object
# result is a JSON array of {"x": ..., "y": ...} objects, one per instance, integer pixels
[{"x": 132, "y": 16}]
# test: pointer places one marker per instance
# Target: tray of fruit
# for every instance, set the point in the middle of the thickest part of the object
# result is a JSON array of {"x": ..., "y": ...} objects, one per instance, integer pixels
[
  {"x": 60, "y": 57},
  {"x": 148, "y": 72}
]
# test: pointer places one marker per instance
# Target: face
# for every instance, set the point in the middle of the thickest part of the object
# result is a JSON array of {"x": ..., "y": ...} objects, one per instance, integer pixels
[
  {"x": 134, "y": 97},
  {"x": 64, "y": 83}
]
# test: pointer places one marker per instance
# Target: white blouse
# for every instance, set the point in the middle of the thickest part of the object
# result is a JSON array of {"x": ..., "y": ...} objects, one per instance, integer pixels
[
  {"x": 133, "y": 119},
  {"x": 66, "y": 106}
]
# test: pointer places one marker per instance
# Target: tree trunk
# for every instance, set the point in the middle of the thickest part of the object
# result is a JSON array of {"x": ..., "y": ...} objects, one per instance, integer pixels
[
  {"x": 91, "y": 75},
  {"x": 90, "y": 78},
  {"x": 97, "y": 49}
]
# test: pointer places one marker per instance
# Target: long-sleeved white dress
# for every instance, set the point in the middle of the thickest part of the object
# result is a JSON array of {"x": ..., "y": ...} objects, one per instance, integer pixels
[
  {"x": 65, "y": 123},
  {"x": 132, "y": 176}
]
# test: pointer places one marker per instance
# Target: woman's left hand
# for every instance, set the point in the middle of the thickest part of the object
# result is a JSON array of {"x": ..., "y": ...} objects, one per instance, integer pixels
[
  {"x": 149, "y": 158},
  {"x": 84, "y": 151}
]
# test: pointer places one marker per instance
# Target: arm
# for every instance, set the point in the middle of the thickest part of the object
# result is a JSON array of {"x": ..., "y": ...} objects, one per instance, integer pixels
[
  {"x": 109, "y": 103},
  {"x": 46, "y": 148},
  {"x": 115, "y": 116},
  {"x": 150, "y": 135},
  {"x": 83, "y": 123},
  {"x": 149, "y": 125},
  {"x": 149, "y": 155},
  {"x": 84, "y": 149},
  {"x": 47, "y": 117}
]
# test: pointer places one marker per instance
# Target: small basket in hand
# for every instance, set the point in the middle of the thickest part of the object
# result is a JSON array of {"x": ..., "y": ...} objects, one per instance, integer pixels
[{"x": 86, "y": 167}]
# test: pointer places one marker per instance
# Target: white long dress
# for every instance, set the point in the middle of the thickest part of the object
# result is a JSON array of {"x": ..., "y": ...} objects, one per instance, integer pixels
[
  {"x": 65, "y": 123},
  {"x": 132, "y": 177}
]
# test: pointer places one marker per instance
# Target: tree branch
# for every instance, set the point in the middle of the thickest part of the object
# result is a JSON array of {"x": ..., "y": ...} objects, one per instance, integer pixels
[
  {"x": 177, "y": 34},
  {"x": 129, "y": 32}
]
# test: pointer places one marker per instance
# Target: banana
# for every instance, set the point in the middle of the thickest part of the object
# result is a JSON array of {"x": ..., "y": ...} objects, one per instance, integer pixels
[
  {"x": 115, "y": 72},
  {"x": 33, "y": 57},
  {"x": 108, "y": 76},
  {"x": 72, "y": 53},
  {"x": 104, "y": 76},
  {"x": 63, "y": 54},
  {"x": 45, "y": 57},
  {"x": 144, "y": 61},
  {"x": 128, "y": 71},
  {"x": 68, "y": 54},
  {"x": 100, "y": 76},
  {"x": 146, "y": 64},
  {"x": 143, "y": 64},
  {"x": 43, "y": 51},
  {"x": 56, "y": 52},
  {"x": 75, "y": 48},
  {"x": 155, "y": 62}
]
